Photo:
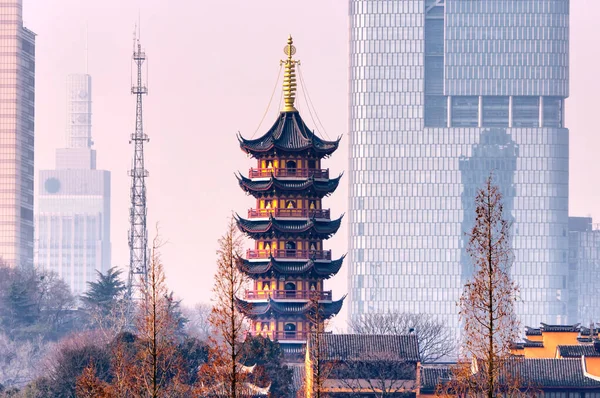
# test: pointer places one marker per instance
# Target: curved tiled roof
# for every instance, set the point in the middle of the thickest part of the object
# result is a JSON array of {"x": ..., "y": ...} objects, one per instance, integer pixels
[
  {"x": 560, "y": 328},
  {"x": 531, "y": 343},
  {"x": 550, "y": 372},
  {"x": 532, "y": 331},
  {"x": 308, "y": 186},
  {"x": 535, "y": 373},
  {"x": 576, "y": 351},
  {"x": 365, "y": 347},
  {"x": 434, "y": 374},
  {"x": 275, "y": 307},
  {"x": 322, "y": 228},
  {"x": 289, "y": 133},
  {"x": 321, "y": 269}
]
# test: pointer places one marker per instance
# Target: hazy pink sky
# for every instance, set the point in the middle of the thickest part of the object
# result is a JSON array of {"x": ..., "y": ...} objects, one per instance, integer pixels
[{"x": 212, "y": 68}]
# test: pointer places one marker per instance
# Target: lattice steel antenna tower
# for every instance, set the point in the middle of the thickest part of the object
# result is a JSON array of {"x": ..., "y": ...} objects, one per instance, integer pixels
[{"x": 138, "y": 232}]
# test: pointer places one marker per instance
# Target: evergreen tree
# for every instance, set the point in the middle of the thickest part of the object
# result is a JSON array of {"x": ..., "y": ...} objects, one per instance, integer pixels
[{"x": 106, "y": 291}]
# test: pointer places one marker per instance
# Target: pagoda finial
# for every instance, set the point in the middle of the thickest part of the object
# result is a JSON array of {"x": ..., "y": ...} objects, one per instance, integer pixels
[{"x": 289, "y": 77}]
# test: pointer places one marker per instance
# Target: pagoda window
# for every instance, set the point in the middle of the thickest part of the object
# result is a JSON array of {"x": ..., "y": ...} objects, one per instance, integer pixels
[
  {"x": 268, "y": 204},
  {"x": 290, "y": 248},
  {"x": 290, "y": 204},
  {"x": 290, "y": 290},
  {"x": 312, "y": 205},
  {"x": 265, "y": 326},
  {"x": 313, "y": 286},
  {"x": 290, "y": 330},
  {"x": 312, "y": 164},
  {"x": 313, "y": 246},
  {"x": 266, "y": 286},
  {"x": 269, "y": 165},
  {"x": 290, "y": 165}
]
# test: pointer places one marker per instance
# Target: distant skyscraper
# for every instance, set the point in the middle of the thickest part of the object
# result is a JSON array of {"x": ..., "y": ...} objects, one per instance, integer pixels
[
  {"x": 73, "y": 209},
  {"x": 443, "y": 92},
  {"x": 17, "y": 74},
  {"x": 584, "y": 271}
]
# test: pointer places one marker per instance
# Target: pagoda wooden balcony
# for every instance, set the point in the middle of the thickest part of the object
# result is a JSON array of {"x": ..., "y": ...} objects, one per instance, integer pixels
[
  {"x": 287, "y": 294},
  {"x": 289, "y": 254},
  {"x": 301, "y": 213},
  {"x": 301, "y": 173},
  {"x": 276, "y": 335}
]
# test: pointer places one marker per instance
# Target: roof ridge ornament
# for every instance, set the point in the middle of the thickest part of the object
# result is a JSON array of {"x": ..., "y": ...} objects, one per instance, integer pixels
[{"x": 289, "y": 77}]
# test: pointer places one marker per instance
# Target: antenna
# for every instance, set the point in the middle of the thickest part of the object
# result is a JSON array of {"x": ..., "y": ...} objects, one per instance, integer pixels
[
  {"x": 86, "y": 49},
  {"x": 138, "y": 233}
]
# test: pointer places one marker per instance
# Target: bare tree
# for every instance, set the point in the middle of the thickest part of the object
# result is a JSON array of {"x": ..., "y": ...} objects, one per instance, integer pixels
[
  {"x": 377, "y": 374},
  {"x": 198, "y": 324},
  {"x": 158, "y": 359},
  {"x": 19, "y": 360},
  {"x": 223, "y": 373},
  {"x": 154, "y": 368},
  {"x": 436, "y": 340},
  {"x": 320, "y": 366},
  {"x": 487, "y": 302}
]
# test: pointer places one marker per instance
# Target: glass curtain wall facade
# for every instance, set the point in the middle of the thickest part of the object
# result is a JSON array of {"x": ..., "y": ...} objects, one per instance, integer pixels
[
  {"x": 17, "y": 74},
  {"x": 442, "y": 93},
  {"x": 73, "y": 214},
  {"x": 584, "y": 271}
]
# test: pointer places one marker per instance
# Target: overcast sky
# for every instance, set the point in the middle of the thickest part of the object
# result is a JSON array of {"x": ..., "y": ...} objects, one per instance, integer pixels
[{"x": 212, "y": 69}]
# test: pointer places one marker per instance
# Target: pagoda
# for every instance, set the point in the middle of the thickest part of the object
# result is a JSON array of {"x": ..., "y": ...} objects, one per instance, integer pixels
[{"x": 289, "y": 225}]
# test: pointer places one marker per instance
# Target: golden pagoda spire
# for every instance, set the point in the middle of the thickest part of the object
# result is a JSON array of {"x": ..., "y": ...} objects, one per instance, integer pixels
[{"x": 289, "y": 77}]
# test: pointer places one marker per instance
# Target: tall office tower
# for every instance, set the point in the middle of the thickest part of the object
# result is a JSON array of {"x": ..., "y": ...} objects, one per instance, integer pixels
[
  {"x": 442, "y": 93},
  {"x": 584, "y": 271},
  {"x": 17, "y": 73},
  {"x": 73, "y": 208}
]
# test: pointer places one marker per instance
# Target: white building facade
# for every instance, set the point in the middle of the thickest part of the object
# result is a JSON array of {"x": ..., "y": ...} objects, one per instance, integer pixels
[{"x": 73, "y": 208}]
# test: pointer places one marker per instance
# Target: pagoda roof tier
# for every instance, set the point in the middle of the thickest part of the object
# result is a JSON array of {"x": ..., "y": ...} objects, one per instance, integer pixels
[
  {"x": 273, "y": 267},
  {"x": 323, "y": 229},
  {"x": 289, "y": 134},
  {"x": 273, "y": 308},
  {"x": 271, "y": 186}
]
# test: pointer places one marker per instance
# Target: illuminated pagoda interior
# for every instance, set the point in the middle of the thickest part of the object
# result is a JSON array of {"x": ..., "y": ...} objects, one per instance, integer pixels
[{"x": 289, "y": 225}]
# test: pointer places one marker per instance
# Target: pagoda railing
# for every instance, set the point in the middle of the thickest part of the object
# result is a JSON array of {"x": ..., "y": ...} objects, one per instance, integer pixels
[
  {"x": 280, "y": 335},
  {"x": 305, "y": 213},
  {"x": 290, "y": 254},
  {"x": 287, "y": 294},
  {"x": 284, "y": 172}
]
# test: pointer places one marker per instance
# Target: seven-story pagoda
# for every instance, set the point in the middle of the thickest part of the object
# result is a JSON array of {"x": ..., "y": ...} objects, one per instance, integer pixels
[{"x": 288, "y": 225}]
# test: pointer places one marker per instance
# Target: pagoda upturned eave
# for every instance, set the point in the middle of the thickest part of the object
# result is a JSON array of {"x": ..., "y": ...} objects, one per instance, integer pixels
[
  {"x": 289, "y": 134},
  {"x": 254, "y": 310},
  {"x": 323, "y": 229},
  {"x": 261, "y": 268},
  {"x": 308, "y": 186}
]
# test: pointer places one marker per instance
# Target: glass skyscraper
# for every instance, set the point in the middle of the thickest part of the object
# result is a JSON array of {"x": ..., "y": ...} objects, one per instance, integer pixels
[
  {"x": 442, "y": 93},
  {"x": 73, "y": 208},
  {"x": 584, "y": 271},
  {"x": 17, "y": 89}
]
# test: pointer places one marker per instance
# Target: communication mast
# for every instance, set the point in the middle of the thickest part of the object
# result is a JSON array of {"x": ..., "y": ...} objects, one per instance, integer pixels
[{"x": 138, "y": 232}]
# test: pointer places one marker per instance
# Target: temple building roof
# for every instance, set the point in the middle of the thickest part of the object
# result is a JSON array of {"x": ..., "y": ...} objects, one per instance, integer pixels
[
  {"x": 273, "y": 308},
  {"x": 308, "y": 268},
  {"x": 288, "y": 134},
  {"x": 308, "y": 186},
  {"x": 323, "y": 229}
]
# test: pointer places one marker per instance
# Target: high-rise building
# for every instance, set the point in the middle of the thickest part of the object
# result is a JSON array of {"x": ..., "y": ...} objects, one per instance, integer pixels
[
  {"x": 443, "y": 93},
  {"x": 584, "y": 271},
  {"x": 73, "y": 207},
  {"x": 17, "y": 95}
]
